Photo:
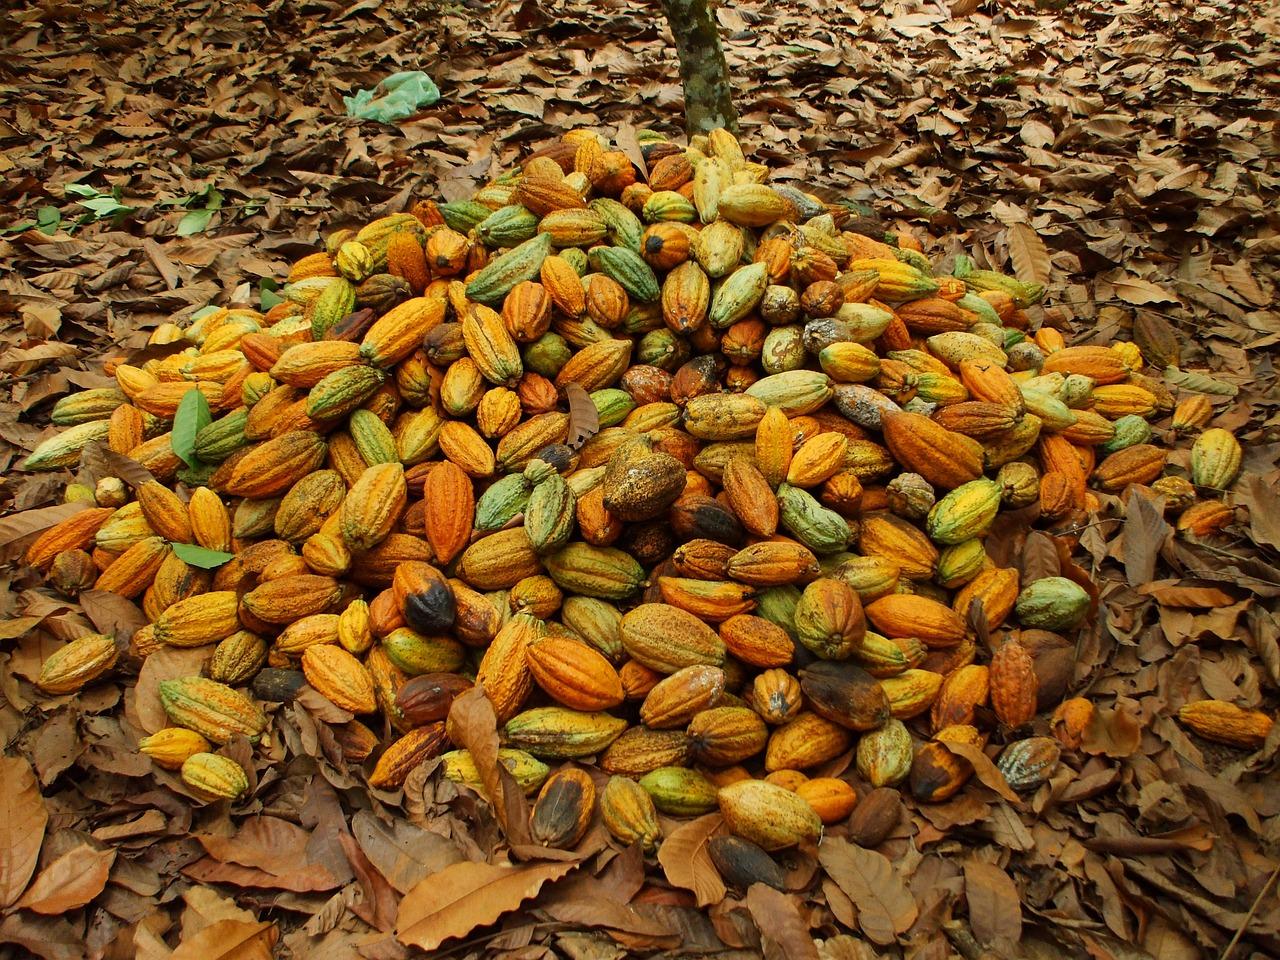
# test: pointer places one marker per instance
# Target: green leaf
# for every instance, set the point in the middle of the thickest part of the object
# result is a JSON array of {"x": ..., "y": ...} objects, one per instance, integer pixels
[
  {"x": 267, "y": 296},
  {"x": 48, "y": 219},
  {"x": 204, "y": 311},
  {"x": 81, "y": 190},
  {"x": 193, "y": 415},
  {"x": 201, "y": 557},
  {"x": 194, "y": 222},
  {"x": 103, "y": 207}
]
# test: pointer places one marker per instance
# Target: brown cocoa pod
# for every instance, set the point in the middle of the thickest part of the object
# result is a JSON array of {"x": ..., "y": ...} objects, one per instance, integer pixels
[
  {"x": 426, "y": 698},
  {"x": 741, "y": 863},
  {"x": 696, "y": 516},
  {"x": 875, "y": 817},
  {"x": 845, "y": 694},
  {"x": 277, "y": 686}
]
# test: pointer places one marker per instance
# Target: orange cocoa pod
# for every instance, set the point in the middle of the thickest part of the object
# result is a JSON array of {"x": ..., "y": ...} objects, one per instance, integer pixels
[
  {"x": 996, "y": 589},
  {"x": 1141, "y": 463},
  {"x": 907, "y": 615},
  {"x": 774, "y": 563},
  {"x": 1060, "y": 455},
  {"x": 126, "y": 429},
  {"x": 574, "y": 674},
  {"x": 806, "y": 741},
  {"x": 339, "y": 677},
  {"x": 757, "y": 641},
  {"x": 726, "y": 735},
  {"x": 703, "y": 559},
  {"x": 74, "y": 533},
  {"x": 1224, "y": 722},
  {"x": 786, "y": 779},
  {"x": 406, "y": 753},
  {"x": 1057, "y": 499},
  {"x": 450, "y": 510},
  {"x": 832, "y": 799},
  {"x": 596, "y": 524},
  {"x": 1071, "y": 720},
  {"x": 777, "y": 696},
  {"x": 164, "y": 511},
  {"x": 944, "y": 458},
  {"x": 504, "y": 669},
  {"x": 962, "y": 692},
  {"x": 674, "y": 700},
  {"x": 1014, "y": 684},
  {"x": 407, "y": 259},
  {"x": 750, "y": 496},
  {"x": 132, "y": 571},
  {"x": 1205, "y": 518},
  {"x": 637, "y": 679}
]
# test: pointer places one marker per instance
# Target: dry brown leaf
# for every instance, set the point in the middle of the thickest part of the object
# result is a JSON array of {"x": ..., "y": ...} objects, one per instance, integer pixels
[
  {"x": 17, "y": 526},
  {"x": 785, "y": 934},
  {"x": 1113, "y": 732},
  {"x": 995, "y": 910},
  {"x": 474, "y": 727},
  {"x": 229, "y": 940},
  {"x": 113, "y": 614},
  {"x": 1176, "y": 595},
  {"x": 983, "y": 768},
  {"x": 22, "y": 822},
  {"x": 584, "y": 418},
  {"x": 885, "y": 906},
  {"x": 467, "y": 895},
  {"x": 101, "y": 461},
  {"x": 69, "y": 882},
  {"x": 686, "y": 862},
  {"x": 1029, "y": 254},
  {"x": 1144, "y": 534}
]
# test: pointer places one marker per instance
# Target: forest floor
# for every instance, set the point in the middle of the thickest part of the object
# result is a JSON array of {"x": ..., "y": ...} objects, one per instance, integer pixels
[{"x": 1138, "y": 141}]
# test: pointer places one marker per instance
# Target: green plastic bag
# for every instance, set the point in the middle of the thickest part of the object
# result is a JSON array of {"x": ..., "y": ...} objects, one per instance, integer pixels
[{"x": 398, "y": 96}]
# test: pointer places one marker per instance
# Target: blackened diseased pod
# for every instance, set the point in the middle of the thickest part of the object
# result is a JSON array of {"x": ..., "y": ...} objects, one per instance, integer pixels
[
  {"x": 425, "y": 597},
  {"x": 563, "y": 809}
]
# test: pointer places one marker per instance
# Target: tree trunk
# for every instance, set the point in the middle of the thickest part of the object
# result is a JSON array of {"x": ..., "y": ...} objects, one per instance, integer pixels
[{"x": 708, "y": 102}]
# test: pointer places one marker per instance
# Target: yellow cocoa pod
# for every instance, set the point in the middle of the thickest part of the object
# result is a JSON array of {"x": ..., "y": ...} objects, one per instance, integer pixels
[
  {"x": 768, "y": 815},
  {"x": 209, "y": 519},
  {"x": 373, "y": 506},
  {"x": 171, "y": 746},
  {"x": 1224, "y": 722},
  {"x": 339, "y": 677},
  {"x": 198, "y": 620},
  {"x": 629, "y": 814},
  {"x": 77, "y": 663},
  {"x": 214, "y": 775}
]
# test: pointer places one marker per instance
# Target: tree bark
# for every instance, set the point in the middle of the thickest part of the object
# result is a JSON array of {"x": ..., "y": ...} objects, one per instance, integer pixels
[{"x": 708, "y": 102}]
